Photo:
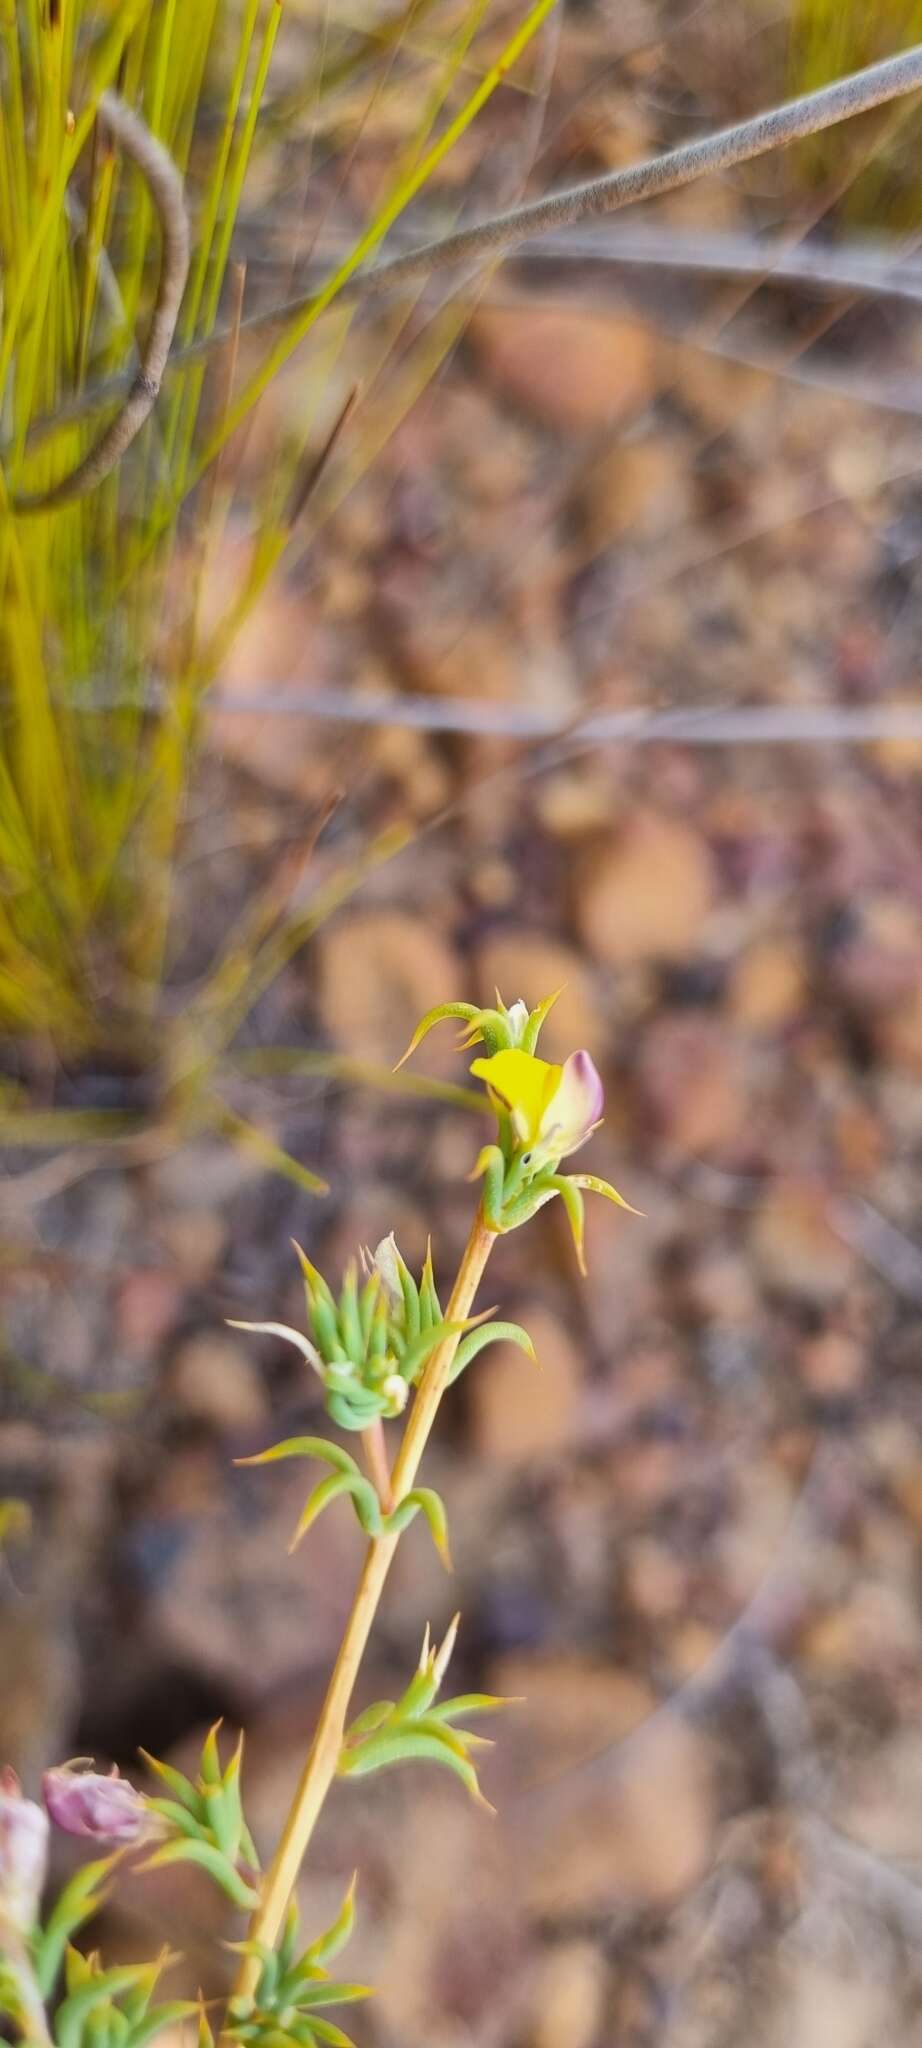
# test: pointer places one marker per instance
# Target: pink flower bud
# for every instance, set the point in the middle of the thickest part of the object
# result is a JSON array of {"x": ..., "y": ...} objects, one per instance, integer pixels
[
  {"x": 106, "y": 1809},
  {"x": 23, "y": 1853}
]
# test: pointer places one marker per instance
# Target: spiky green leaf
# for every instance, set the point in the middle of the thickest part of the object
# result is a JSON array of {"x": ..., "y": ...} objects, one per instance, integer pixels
[
  {"x": 464, "y": 1011},
  {"x": 536, "y": 1020},
  {"x": 489, "y": 1333},
  {"x": 335, "y": 1937},
  {"x": 423, "y": 1499},
  {"x": 382, "y": 1752},
  {"x": 81, "y": 1898},
  {"x": 209, "y": 1858}
]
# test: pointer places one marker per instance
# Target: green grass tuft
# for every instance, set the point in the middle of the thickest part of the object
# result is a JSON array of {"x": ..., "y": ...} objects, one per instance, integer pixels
[{"x": 106, "y": 654}]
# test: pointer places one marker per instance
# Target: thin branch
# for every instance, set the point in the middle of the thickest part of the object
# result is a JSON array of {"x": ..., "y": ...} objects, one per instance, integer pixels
[
  {"x": 886, "y": 1248},
  {"x": 315, "y": 461},
  {"x": 709, "y": 725},
  {"x": 749, "y": 724},
  {"x": 870, "y": 267},
  {"x": 876, "y": 1881},
  {"x": 862, "y": 90},
  {"x": 166, "y": 190}
]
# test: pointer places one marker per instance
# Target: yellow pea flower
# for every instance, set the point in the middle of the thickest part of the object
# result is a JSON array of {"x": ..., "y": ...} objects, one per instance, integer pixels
[{"x": 552, "y": 1109}]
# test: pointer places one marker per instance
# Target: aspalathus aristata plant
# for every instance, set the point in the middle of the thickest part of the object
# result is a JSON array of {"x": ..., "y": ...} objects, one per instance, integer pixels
[{"x": 384, "y": 1351}]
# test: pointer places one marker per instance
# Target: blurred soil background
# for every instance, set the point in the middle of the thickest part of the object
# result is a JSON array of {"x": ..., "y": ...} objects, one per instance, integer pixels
[{"x": 691, "y": 1541}]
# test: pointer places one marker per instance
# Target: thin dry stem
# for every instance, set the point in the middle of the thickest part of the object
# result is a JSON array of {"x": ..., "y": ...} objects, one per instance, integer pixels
[
  {"x": 323, "y": 1756},
  {"x": 376, "y": 1459},
  {"x": 166, "y": 190},
  {"x": 857, "y": 94}
]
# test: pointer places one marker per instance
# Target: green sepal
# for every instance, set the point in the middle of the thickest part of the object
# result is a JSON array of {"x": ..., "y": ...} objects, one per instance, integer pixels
[
  {"x": 489, "y": 1333},
  {"x": 349, "y": 1319},
  {"x": 536, "y": 1019}
]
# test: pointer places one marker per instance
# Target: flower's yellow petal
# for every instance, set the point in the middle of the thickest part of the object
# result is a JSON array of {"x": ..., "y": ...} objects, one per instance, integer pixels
[{"x": 522, "y": 1085}]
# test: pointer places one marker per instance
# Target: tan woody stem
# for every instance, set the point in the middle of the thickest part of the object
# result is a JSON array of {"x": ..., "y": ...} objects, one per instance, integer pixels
[
  {"x": 379, "y": 1471},
  {"x": 323, "y": 1756}
]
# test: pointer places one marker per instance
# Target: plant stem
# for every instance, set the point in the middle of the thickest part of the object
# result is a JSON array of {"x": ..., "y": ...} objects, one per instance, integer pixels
[
  {"x": 323, "y": 1755},
  {"x": 166, "y": 189},
  {"x": 379, "y": 1470},
  {"x": 876, "y": 85},
  {"x": 14, "y": 1949}
]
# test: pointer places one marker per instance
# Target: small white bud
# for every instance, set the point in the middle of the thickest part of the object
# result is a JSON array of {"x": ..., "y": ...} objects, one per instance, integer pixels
[{"x": 396, "y": 1391}]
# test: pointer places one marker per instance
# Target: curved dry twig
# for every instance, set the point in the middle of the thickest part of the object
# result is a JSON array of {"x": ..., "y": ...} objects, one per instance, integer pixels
[
  {"x": 166, "y": 190},
  {"x": 892, "y": 79}
]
